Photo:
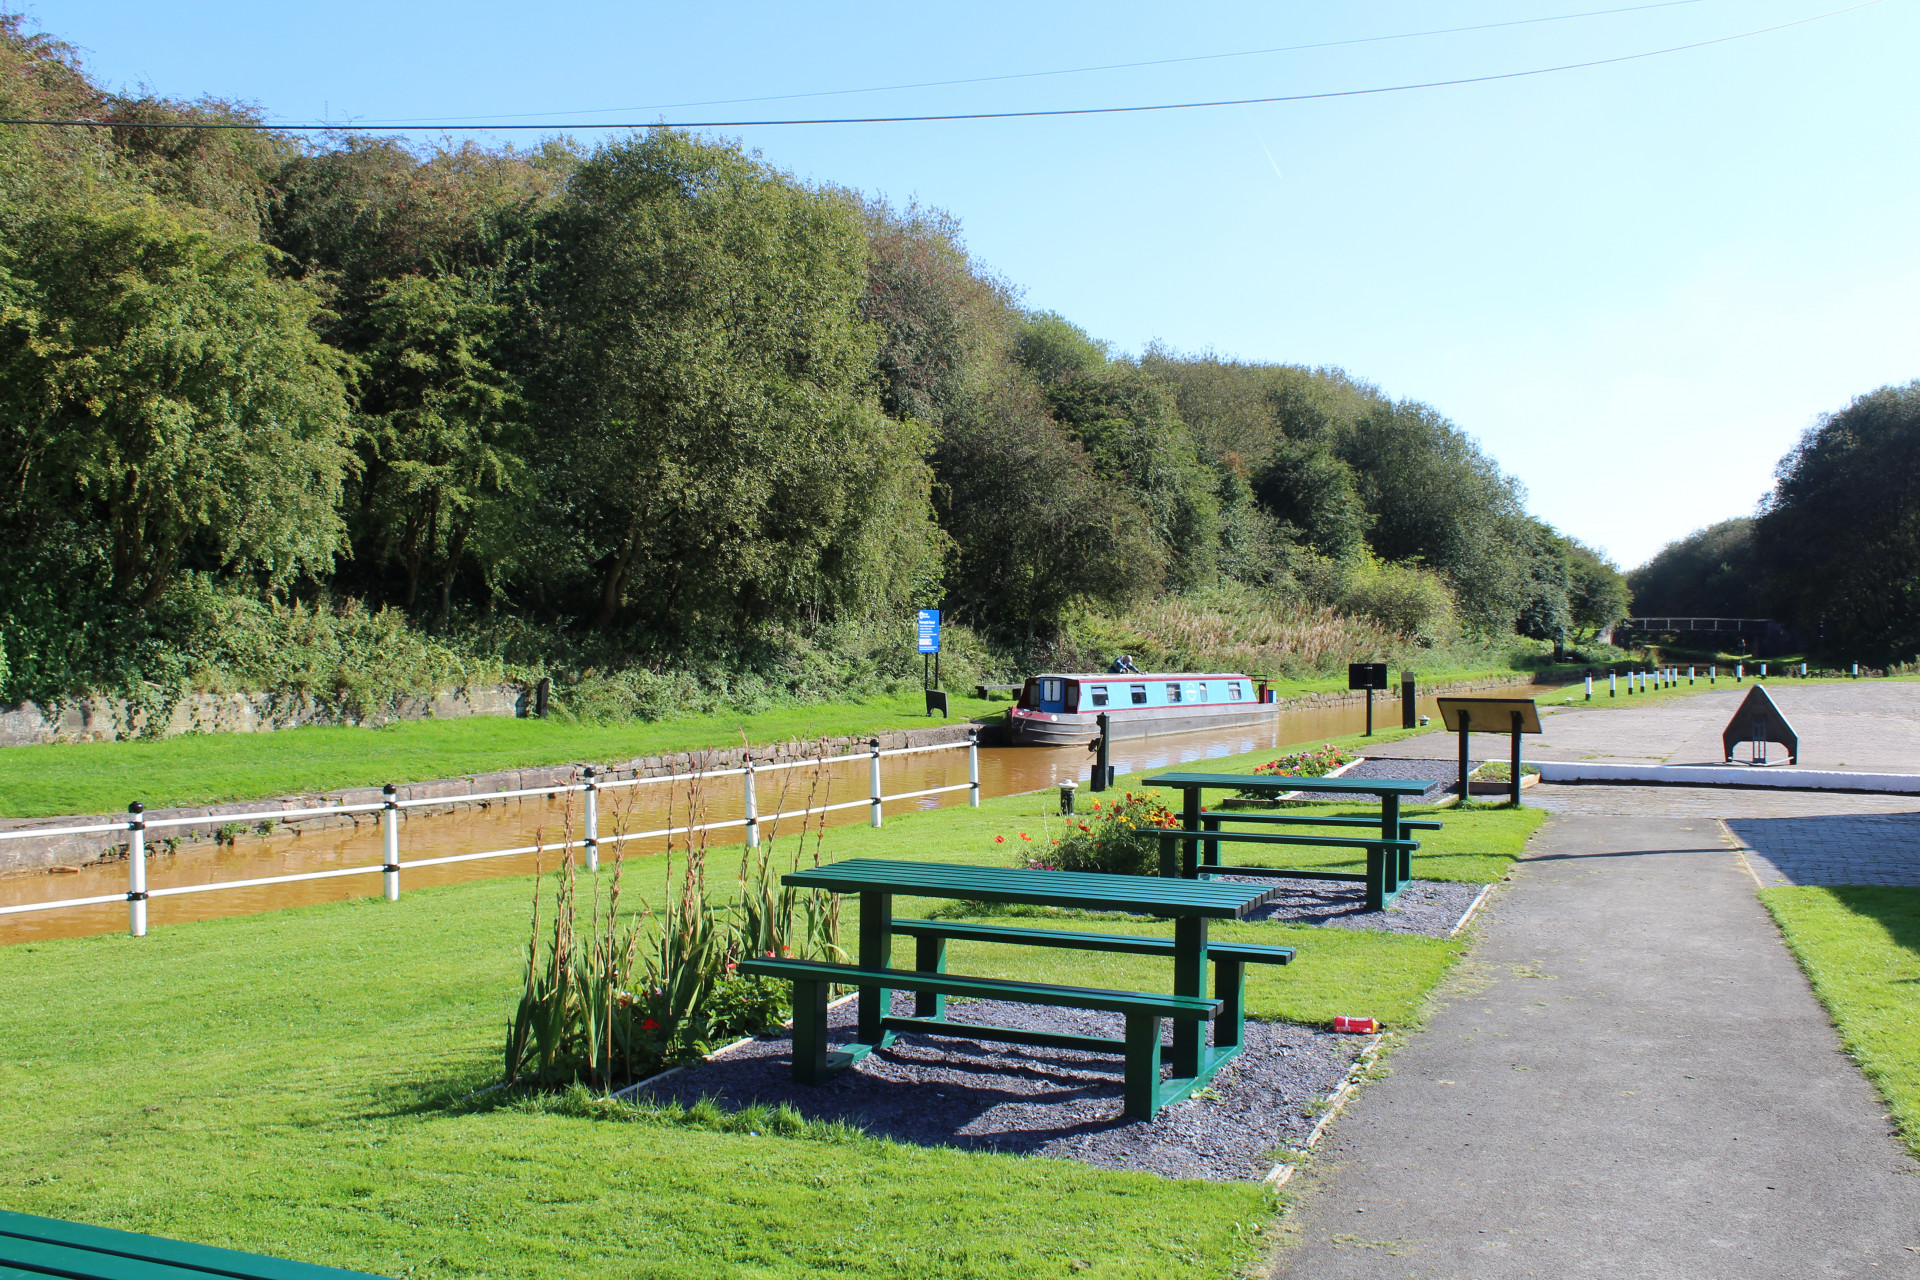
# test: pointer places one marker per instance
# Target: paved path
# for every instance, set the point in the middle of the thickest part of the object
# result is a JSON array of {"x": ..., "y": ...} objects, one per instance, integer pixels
[
  {"x": 1630, "y": 1079},
  {"x": 1867, "y": 725}
]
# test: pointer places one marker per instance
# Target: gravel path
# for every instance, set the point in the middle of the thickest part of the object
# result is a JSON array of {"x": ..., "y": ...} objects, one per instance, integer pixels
[
  {"x": 1430, "y": 907},
  {"x": 1442, "y": 776},
  {"x": 982, "y": 1095}
]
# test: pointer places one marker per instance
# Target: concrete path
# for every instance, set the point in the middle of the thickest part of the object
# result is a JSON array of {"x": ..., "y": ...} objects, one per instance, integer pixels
[
  {"x": 1630, "y": 1079},
  {"x": 1870, "y": 726}
]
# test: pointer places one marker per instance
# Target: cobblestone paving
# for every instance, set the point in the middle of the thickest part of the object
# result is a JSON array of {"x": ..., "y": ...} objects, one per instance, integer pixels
[{"x": 1791, "y": 837}]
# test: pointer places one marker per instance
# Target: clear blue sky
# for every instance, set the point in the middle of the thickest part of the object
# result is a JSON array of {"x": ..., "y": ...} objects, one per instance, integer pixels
[{"x": 1634, "y": 284}]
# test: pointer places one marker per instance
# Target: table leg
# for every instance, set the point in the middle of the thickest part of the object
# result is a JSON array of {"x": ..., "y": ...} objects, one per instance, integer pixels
[
  {"x": 1190, "y": 847},
  {"x": 1230, "y": 988},
  {"x": 929, "y": 956},
  {"x": 1210, "y": 855},
  {"x": 1189, "y": 979},
  {"x": 876, "y": 952},
  {"x": 1390, "y": 830}
]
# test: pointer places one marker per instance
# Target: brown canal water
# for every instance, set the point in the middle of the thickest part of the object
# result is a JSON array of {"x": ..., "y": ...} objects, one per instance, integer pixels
[{"x": 506, "y": 824}]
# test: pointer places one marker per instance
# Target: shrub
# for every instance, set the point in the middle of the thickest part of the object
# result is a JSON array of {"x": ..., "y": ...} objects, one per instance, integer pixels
[{"x": 1118, "y": 839}]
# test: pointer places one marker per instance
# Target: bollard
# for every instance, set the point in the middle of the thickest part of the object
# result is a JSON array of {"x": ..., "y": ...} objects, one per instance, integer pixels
[
  {"x": 1763, "y": 671},
  {"x": 1409, "y": 703},
  {"x": 1689, "y": 675},
  {"x": 875, "y": 744},
  {"x": 591, "y": 824},
  {"x": 1803, "y": 671},
  {"x": 137, "y": 870},
  {"x": 1713, "y": 675},
  {"x": 1067, "y": 789},
  {"x": 973, "y": 768},
  {"x": 1589, "y": 697},
  {"x": 1739, "y": 672},
  {"x": 390, "y": 842},
  {"x": 1856, "y": 671},
  {"x": 751, "y": 801},
  {"x": 1613, "y": 684}
]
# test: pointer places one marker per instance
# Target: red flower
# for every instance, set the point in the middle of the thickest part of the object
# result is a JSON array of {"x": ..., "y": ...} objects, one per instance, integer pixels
[
  {"x": 649, "y": 1025},
  {"x": 1096, "y": 804},
  {"x": 999, "y": 839},
  {"x": 1025, "y": 836}
]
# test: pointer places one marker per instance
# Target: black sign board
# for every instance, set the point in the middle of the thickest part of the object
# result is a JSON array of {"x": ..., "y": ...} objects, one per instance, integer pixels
[
  {"x": 1759, "y": 722},
  {"x": 1366, "y": 675}
]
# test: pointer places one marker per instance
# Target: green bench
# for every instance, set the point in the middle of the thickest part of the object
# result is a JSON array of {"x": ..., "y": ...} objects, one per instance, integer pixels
[
  {"x": 32, "y": 1248},
  {"x": 814, "y": 980},
  {"x": 1230, "y": 960},
  {"x": 1399, "y": 874}
]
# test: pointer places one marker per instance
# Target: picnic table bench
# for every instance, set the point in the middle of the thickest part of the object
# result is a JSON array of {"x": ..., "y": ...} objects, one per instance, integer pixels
[
  {"x": 1190, "y": 904},
  {"x": 34, "y": 1247},
  {"x": 1389, "y": 855}
]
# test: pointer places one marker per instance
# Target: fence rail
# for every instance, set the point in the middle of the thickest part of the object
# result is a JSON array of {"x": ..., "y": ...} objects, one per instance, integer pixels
[{"x": 137, "y": 824}]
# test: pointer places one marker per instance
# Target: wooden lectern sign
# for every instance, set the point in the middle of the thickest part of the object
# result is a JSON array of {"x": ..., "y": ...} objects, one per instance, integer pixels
[
  {"x": 1513, "y": 716},
  {"x": 1759, "y": 722}
]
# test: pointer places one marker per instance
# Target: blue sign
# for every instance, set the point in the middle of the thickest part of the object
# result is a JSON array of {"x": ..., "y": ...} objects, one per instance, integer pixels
[{"x": 928, "y": 623}]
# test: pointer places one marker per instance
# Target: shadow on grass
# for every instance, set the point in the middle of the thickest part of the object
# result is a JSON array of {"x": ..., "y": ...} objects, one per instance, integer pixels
[{"x": 1897, "y": 910}]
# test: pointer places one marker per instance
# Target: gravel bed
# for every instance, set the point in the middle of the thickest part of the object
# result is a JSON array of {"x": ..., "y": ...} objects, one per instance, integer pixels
[
  {"x": 983, "y": 1095},
  {"x": 1442, "y": 776},
  {"x": 1430, "y": 907}
]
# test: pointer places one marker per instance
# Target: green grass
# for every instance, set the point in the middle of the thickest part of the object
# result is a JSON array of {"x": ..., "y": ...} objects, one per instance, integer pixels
[
  {"x": 1861, "y": 949},
  {"x": 194, "y": 769},
  {"x": 300, "y": 1083}
]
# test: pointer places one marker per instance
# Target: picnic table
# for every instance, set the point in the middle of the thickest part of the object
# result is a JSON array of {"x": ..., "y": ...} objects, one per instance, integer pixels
[
  {"x": 1189, "y": 904},
  {"x": 33, "y": 1246},
  {"x": 1389, "y": 855}
]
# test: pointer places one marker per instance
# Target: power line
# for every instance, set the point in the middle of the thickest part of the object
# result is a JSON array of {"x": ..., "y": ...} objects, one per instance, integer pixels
[
  {"x": 1111, "y": 66},
  {"x": 977, "y": 115}
]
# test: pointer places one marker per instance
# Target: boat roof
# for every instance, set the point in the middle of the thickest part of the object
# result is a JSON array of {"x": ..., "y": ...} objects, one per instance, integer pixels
[{"x": 1141, "y": 675}]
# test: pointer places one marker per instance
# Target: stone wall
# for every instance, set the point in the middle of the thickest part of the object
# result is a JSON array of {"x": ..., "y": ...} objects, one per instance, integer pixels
[{"x": 106, "y": 719}]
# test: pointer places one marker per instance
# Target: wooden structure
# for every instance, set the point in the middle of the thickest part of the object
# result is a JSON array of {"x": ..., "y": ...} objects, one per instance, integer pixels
[
  {"x": 1389, "y": 855},
  {"x": 1189, "y": 904},
  {"x": 1512, "y": 716}
]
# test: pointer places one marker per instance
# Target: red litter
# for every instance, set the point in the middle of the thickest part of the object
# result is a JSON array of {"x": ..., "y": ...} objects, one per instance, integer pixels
[{"x": 1355, "y": 1026}]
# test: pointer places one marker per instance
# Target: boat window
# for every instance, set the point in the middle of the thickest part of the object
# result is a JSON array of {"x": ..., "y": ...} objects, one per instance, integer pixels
[
  {"x": 1233, "y": 692},
  {"x": 1073, "y": 697},
  {"x": 1139, "y": 692},
  {"x": 1053, "y": 690},
  {"x": 1099, "y": 695},
  {"x": 1200, "y": 691},
  {"x": 1173, "y": 692}
]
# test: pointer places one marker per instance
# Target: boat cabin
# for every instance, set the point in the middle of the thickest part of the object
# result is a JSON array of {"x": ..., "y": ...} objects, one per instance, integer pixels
[{"x": 1092, "y": 694}]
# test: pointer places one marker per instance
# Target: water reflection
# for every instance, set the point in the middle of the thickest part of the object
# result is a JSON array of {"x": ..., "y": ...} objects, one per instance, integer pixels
[{"x": 511, "y": 823}]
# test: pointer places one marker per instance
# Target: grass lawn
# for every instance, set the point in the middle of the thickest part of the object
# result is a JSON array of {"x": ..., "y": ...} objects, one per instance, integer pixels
[
  {"x": 1861, "y": 948},
  {"x": 101, "y": 777},
  {"x": 293, "y": 1083}
]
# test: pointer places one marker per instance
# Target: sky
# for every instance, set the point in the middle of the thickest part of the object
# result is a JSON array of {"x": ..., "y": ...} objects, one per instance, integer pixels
[{"x": 1634, "y": 284}]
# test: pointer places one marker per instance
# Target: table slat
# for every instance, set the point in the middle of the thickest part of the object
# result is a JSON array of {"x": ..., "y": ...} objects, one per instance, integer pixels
[
  {"x": 1084, "y": 889},
  {"x": 1277, "y": 785}
]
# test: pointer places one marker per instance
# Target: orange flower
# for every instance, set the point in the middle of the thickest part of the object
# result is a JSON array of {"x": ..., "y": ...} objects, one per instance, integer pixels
[
  {"x": 999, "y": 839},
  {"x": 1025, "y": 836}
]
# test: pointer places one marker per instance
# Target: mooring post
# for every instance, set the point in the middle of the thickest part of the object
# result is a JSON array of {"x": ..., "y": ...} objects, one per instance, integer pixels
[
  {"x": 1101, "y": 747},
  {"x": 1464, "y": 763},
  {"x": 390, "y": 842},
  {"x": 590, "y": 833},
  {"x": 1513, "y": 787},
  {"x": 1613, "y": 684},
  {"x": 1689, "y": 676},
  {"x": 1739, "y": 672},
  {"x": 137, "y": 869},
  {"x": 875, "y": 744},
  {"x": 1713, "y": 675},
  {"x": 1589, "y": 689},
  {"x": 752, "y": 801},
  {"x": 973, "y": 768}
]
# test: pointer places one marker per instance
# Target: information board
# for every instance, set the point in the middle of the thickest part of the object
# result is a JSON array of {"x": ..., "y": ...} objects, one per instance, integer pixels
[
  {"x": 927, "y": 622},
  {"x": 1366, "y": 675}
]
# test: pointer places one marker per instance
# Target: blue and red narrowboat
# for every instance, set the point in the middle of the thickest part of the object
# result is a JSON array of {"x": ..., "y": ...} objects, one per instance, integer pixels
[{"x": 1062, "y": 710}]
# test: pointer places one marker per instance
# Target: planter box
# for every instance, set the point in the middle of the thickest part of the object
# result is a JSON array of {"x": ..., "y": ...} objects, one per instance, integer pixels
[{"x": 1487, "y": 787}]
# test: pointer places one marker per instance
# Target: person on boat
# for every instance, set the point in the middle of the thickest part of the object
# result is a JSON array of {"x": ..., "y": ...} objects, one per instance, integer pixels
[{"x": 1123, "y": 664}]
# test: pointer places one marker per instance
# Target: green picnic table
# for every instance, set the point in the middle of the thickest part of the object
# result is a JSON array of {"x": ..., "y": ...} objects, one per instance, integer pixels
[
  {"x": 37, "y": 1247},
  {"x": 1189, "y": 904},
  {"x": 1389, "y": 856}
]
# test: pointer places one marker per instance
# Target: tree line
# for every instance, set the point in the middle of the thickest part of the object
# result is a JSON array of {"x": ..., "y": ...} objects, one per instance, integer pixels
[
  {"x": 1833, "y": 549},
  {"x": 658, "y": 393}
]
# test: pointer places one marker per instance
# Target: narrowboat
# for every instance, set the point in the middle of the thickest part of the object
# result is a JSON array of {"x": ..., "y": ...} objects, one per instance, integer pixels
[{"x": 1062, "y": 710}]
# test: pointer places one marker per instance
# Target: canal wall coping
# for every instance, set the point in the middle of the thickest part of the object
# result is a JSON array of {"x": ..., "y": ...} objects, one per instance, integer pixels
[{"x": 223, "y": 819}]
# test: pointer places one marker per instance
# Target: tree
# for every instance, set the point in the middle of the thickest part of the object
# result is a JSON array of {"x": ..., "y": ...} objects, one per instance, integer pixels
[
  {"x": 158, "y": 383},
  {"x": 1840, "y": 533},
  {"x": 1712, "y": 572},
  {"x": 1597, "y": 595},
  {"x": 703, "y": 390}
]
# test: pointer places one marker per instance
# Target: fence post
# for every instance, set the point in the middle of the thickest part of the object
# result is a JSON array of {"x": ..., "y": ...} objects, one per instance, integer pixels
[
  {"x": 592, "y": 823},
  {"x": 875, "y": 743},
  {"x": 137, "y": 869},
  {"x": 752, "y": 803},
  {"x": 390, "y": 829},
  {"x": 973, "y": 768},
  {"x": 1589, "y": 697}
]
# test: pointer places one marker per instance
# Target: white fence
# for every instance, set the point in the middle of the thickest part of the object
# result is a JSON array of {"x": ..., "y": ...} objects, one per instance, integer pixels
[{"x": 137, "y": 824}]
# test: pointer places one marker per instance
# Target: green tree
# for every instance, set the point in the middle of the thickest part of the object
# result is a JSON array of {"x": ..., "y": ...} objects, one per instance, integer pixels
[
  {"x": 1712, "y": 572},
  {"x": 1839, "y": 535},
  {"x": 1598, "y": 595},
  {"x": 160, "y": 385},
  {"x": 704, "y": 390}
]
